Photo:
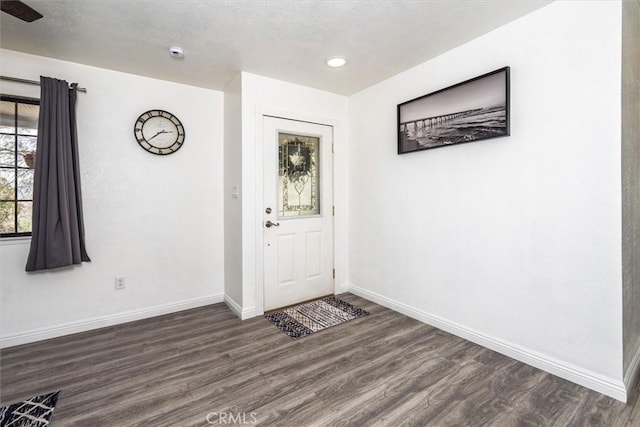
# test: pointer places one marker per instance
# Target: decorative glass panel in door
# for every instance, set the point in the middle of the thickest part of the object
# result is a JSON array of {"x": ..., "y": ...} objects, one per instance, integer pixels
[{"x": 298, "y": 184}]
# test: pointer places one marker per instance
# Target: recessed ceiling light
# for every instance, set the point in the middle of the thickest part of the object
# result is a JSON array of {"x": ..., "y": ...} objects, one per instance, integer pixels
[
  {"x": 336, "y": 62},
  {"x": 176, "y": 51}
]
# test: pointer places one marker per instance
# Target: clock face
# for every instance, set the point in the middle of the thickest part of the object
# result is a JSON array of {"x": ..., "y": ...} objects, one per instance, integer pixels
[{"x": 159, "y": 132}]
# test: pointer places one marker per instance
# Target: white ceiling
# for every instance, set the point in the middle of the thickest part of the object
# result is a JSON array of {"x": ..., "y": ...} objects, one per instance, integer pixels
[{"x": 283, "y": 39}]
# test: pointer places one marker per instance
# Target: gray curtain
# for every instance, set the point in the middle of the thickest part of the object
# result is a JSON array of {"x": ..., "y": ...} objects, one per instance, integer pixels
[{"x": 57, "y": 238}]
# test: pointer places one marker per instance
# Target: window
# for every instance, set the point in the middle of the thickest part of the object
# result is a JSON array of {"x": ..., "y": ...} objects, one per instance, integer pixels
[
  {"x": 298, "y": 166},
  {"x": 18, "y": 135}
]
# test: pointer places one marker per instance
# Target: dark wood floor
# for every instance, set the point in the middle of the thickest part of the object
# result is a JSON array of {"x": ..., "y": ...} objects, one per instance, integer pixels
[{"x": 382, "y": 369}]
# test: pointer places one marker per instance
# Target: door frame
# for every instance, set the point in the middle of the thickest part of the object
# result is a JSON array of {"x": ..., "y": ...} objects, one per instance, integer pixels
[{"x": 339, "y": 251}]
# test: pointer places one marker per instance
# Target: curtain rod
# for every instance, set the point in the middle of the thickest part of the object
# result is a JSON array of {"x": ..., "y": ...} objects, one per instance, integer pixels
[{"x": 31, "y": 82}]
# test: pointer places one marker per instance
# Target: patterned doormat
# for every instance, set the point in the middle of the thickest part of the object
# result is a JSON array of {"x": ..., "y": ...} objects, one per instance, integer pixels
[
  {"x": 34, "y": 412},
  {"x": 304, "y": 319}
]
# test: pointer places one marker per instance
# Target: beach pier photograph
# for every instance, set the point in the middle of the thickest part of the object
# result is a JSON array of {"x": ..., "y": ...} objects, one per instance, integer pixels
[{"x": 473, "y": 110}]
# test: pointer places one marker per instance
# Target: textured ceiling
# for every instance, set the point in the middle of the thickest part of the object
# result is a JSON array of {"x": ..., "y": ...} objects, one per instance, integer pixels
[{"x": 286, "y": 40}]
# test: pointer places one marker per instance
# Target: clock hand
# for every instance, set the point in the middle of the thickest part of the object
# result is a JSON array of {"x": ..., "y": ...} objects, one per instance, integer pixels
[
  {"x": 154, "y": 135},
  {"x": 159, "y": 133}
]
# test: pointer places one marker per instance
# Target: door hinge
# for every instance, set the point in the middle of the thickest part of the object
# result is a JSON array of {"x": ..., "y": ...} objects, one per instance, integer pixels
[
  {"x": 334, "y": 210},
  {"x": 332, "y": 149},
  {"x": 334, "y": 273}
]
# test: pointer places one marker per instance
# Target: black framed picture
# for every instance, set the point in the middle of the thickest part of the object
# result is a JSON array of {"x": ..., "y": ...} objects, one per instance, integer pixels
[{"x": 472, "y": 110}]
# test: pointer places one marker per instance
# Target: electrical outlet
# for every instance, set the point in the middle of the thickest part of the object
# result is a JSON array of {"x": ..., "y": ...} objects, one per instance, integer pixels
[{"x": 119, "y": 283}]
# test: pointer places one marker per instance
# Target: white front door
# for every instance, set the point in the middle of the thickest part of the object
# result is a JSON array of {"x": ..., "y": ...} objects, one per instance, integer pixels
[{"x": 297, "y": 212}]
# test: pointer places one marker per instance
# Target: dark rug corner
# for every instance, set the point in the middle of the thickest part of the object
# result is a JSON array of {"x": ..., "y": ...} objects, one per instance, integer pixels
[{"x": 34, "y": 412}]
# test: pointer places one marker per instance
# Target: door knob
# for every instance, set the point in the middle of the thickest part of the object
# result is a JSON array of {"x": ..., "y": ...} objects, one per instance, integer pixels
[{"x": 270, "y": 224}]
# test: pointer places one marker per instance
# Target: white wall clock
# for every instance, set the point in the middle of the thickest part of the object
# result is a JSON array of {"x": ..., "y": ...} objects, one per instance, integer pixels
[{"x": 159, "y": 132}]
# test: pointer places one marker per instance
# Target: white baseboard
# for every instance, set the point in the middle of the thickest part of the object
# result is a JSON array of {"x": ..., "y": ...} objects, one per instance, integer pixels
[
  {"x": 242, "y": 313},
  {"x": 631, "y": 376},
  {"x": 102, "y": 321},
  {"x": 341, "y": 288},
  {"x": 600, "y": 383}
]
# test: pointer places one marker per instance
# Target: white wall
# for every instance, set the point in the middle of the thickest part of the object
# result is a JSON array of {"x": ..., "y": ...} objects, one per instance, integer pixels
[
  {"x": 262, "y": 95},
  {"x": 233, "y": 206},
  {"x": 154, "y": 219},
  {"x": 513, "y": 242},
  {"x": 631, "y": 186}
]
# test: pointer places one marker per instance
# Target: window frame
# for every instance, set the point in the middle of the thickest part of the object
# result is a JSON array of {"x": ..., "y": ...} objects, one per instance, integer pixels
[{"x": 17, "y": 100}]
